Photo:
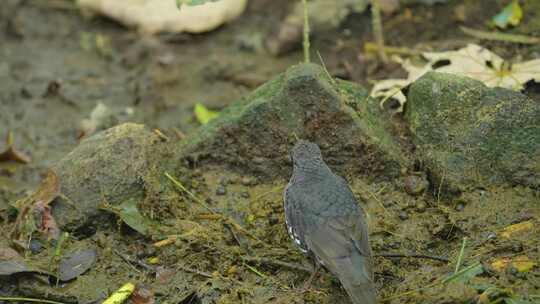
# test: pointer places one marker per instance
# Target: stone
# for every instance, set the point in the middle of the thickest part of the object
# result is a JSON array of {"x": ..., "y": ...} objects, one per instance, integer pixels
[
  {"x": 469, "y": 135},
  {"x": 106, "y": 167},
  {"x": 305, "y": 103}
]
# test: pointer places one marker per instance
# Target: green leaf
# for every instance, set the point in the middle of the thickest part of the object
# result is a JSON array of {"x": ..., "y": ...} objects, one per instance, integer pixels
[
  {"x": 465, "y": 274},
  {"x": 179, "y": 3},
  {"x": 514, "y": 300},
  {"x": 130, "y": 215},
  {"x": 204, "y": 115},
  {"x": 510, "y": 15}
]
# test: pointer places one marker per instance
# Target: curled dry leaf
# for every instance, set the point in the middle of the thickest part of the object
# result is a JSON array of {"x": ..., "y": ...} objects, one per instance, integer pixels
[{"x": 35, "y": 212}]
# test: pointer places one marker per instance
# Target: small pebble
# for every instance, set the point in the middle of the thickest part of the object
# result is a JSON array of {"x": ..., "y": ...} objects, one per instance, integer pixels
[
  {"x": 415, "y": 185},
  {"x": 387, "y": 204},
  {"x": 421, "y": 206},
  {"x": 221, "y": 190},
  {"x": 460, "y": 207},
  {"x": 249, "y": 181},
  {"x": 403, "y": 215},
  {"x": 245, "y": 194}
]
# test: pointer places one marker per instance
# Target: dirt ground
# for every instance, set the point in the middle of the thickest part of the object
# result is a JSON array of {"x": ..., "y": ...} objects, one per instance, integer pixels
[{"x": 56, "y": 67}]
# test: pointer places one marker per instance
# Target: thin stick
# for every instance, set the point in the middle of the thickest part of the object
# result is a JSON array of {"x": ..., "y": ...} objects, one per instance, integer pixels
[
  {"x": 19, "y": 299},
  {"x": 496, "y": 36},
  {"x": 417, "y": 256},
  {"x": 461, "y": 253},
  {"x": 306, "y": 32},
  {"x": 377, "y": 29},
  {"x": 325, "y": 69},
  {"x": 255, "y": 271},
  {"x": 276, "y": 263},
  {"x": 195, "y": 271}
]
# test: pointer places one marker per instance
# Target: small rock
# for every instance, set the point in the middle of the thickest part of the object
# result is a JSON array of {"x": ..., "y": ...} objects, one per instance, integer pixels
[
  {"x": 249, "y": 181},
  {"x": 221, "y": 190},
  {"x": 421, "y": 206},
  {"x": 245, "y": 194},
  {"x": 415, "y": 185},
  {"x": 403, "y": 215},
  {"x": 460, "y": 207}
]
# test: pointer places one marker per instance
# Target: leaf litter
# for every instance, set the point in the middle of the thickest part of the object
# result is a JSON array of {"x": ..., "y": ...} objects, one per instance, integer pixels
[{"x": 472, "y": 61}]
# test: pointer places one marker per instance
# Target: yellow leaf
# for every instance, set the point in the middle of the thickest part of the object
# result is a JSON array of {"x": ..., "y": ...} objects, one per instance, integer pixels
[
  {"x": 523, "y": 264},
  {"x": 121, "y": 295},
  {"x": 204, "y": 115},
  {"x": 518, "y": 228},
  {"x": 500, "y": 264}
]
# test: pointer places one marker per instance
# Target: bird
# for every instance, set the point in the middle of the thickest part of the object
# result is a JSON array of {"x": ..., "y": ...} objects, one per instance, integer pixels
[{"x": 325, "y": 221}]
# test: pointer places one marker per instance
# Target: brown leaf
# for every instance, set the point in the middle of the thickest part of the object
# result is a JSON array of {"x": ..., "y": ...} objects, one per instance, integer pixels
[
  {"x": 36, "y": 208},
  {"x": 12, "y": 154},
  {"x": 142, "y": 295}
]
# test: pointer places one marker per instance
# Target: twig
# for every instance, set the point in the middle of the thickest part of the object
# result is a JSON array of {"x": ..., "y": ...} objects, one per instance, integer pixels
[
  {"x": 373, "y": 47},
  {"x": 461, "y": 253},
  {"x": 496, "y": 36},
  {"x": 306, "y": 32},
  {"x": 417, "y": 256},
  {"x": 195, "y": 271},
  {"x": 377, "y": 29},
  {"x": 325, "y": 69},
  {"x": 255, "y": 271},
  {"x": 20, "y": 299},
  {"x": 276, "y": 263}
]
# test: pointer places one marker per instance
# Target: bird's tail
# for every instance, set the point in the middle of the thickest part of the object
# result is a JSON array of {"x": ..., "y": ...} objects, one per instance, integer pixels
[{"x": 356, "y": 277}]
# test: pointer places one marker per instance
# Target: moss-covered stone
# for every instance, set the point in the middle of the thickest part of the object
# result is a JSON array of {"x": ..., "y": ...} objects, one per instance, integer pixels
[
  {"x": 255, "y": 133},
  {"x": 107, "y": 168},
  {"x": 469, "y": 135}
]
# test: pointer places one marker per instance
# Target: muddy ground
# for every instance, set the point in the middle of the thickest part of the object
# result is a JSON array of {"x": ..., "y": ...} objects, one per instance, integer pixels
[{"x": 56, "y": 67}]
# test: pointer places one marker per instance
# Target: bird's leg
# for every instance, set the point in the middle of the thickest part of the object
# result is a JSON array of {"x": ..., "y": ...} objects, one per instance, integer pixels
[{"x": 309, "y": 281}]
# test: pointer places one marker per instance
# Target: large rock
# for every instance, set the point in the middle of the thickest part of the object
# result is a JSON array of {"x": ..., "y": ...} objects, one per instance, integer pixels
[
  {"x": 107, "y": 168},
  {"x": 256, "y": 133},
  {"x": 469, "y": 135}
]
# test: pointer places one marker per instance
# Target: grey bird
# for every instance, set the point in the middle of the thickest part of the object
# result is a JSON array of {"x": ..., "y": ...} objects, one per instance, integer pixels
[{"x": 325, "y": 221}]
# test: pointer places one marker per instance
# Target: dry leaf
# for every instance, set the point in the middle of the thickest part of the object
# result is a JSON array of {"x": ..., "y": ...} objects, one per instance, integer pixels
[
  {"x": 154, "y": 16},
  {"x": 12, "y": 154},
  {"x": 516, "y": 229},
  {"x": 471, "y": 61}
]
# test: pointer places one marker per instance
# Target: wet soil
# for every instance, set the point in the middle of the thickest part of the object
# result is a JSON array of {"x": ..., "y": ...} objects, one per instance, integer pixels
[{"x": 56, "y": 67}]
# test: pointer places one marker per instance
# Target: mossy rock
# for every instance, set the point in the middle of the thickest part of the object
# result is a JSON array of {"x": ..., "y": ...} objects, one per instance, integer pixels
[
  {"x": 469, "y": 135},
  {"x": 106, "y": 168},
  {"x": 256, "y": 133}
]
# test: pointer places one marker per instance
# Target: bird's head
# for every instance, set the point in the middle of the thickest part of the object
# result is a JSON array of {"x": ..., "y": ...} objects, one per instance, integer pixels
[{"x": 306, "y": 155}]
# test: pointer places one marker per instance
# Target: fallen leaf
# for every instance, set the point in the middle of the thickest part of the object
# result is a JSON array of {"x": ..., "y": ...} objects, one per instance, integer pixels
[
  {"x": 130, "y": 215},
  {"x": 12, "y": 267},
  {"x": 155, "y": 16},
  {"x": 465, "y": 274},
  {"x": 121, "y": 295},
  {"x": 8, "y": 254},
  {"x": 519, "y": 228},
  {"x": 510, "y": 15},
  {"x": 523, "y": 264},
  {"x": 12, "y": 154},
  {"x": 142, "y": 295},
  {"x": 35, "y": 212},
  {"x": 500, "y": 264},
  {"x": 76, "y": 263},
  {"x": 471, "y": 61},
  {"x": 204, "y": 115}
]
